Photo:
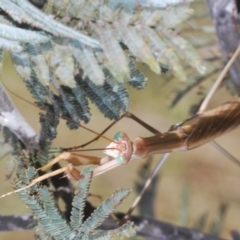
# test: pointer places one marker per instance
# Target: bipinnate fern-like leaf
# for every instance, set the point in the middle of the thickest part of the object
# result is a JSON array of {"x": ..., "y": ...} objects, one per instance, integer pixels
[
  {"x": 71, "y": 103},
  {"x": 23, "y": 11},
  {"x": 126, "y": 18},
  {"x": 84, "y": 230},
  {"x": 109, "y": 24},
  {"x": 110, "y": 99},
  {"x": 36, "y": 205},
  {"x": 97, "y": 42},
  {"x": 102, "y": 212},
  {"x": 42, "y": 217},
  {"x": 41, "y": 202},
  {"x": 79, "y": 200},
  {"x": 53, "y": 212},
  {"x": 49, "y": 122}
]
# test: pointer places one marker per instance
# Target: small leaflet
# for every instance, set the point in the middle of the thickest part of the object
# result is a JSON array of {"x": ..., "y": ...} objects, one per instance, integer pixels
[
  {"x": 87, "y": 61},
  {"x": 175, "y": 15},
  {"x": 10, "y": 45},
  {"x": 38, "y": 60},
  {"x": 117, "y": 62},
  {"x": 22, "y": 35},
  {"x": 22, "y": 64},
  {"x": 137, "y": 46},
  {"x": 63, "y": 65},
  {"x": 162, "y": 51},
  {"x": 186, "y": 51}
]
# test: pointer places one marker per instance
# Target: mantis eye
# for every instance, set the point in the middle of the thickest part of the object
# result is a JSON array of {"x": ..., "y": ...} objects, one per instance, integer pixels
[
  {"x": 121, "y": 159},
  {"x": 118, "y": 136}
]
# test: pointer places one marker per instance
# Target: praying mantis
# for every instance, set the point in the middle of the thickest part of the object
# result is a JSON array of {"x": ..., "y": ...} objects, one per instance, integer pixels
[
  {"x": 191, "y": 133},
  {"x": 186, "y": 135},
  {"x": 126, "y": 143}
]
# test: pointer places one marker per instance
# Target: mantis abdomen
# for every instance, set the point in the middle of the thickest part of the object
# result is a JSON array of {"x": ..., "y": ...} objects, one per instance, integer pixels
[{"x": 193, "y": 132}]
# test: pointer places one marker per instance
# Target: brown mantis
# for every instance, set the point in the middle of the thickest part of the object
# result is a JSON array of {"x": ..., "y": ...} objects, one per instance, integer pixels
[
  {"x": 184, "y": 136},
  {"x": 187, "y": 135}
]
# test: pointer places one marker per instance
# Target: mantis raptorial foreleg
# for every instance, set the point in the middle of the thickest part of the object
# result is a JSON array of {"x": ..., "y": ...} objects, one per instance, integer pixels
[{"x": 70, "y": 171}]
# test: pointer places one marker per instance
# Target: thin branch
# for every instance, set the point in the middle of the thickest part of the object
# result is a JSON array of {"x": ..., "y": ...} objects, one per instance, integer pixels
[
  {"x": 152, "y": 229},
  {"x": 16, "y": 222},
  {"x": 12, "y": 119},
  {"x": 225, "y": 153},
  {"x": 219, "y": 80},
  {"x": 146, "y": 186}
]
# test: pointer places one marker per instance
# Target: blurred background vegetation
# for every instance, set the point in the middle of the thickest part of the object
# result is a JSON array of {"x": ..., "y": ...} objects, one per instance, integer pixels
[{"x": 194, "y": 188}]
